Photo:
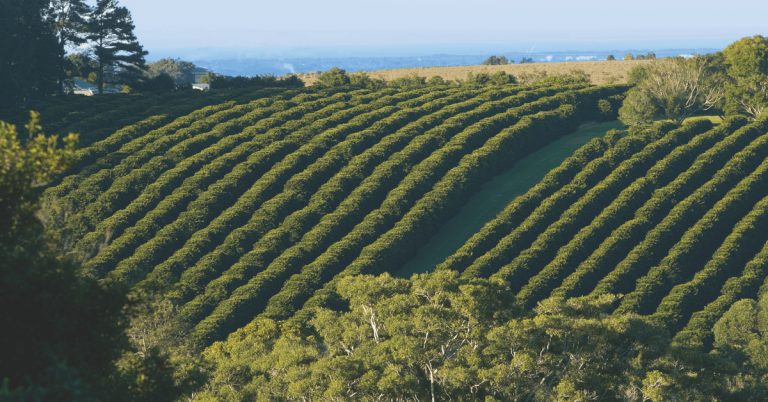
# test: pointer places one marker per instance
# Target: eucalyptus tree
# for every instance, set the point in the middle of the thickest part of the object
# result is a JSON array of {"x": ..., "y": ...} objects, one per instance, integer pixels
[
  {"x": 334, "y": 77},
  {"x": 677, "y": 87},
  {"x": 440, "y": 337},
  {"x": 747, "y": 60}
]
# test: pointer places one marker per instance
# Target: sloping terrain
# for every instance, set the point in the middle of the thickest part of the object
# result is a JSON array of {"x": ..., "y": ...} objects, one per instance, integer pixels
[
  {"x": 254, "y": 203},
  {"x": 671, "y": 218},
  {"x": 497, "y": 194}
]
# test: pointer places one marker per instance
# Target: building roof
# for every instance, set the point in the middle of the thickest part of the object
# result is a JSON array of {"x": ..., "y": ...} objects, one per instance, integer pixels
[{"x": 80, "y": 84}]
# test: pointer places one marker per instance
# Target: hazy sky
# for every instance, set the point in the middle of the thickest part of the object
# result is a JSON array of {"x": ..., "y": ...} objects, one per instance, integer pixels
[{"x": 252, "y": 24}]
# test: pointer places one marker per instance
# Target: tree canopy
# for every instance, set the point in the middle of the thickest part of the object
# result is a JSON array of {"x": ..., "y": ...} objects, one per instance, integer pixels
[
  {"x": 32, "y": 55},
  {"x": 442, "y": 337},
  {"x": 64, "y": 335},
  {"x": 34, "y": 35},
  {"x": 333, "y": 78},
  {"x": 677, "y": 87},
  {"x": 118, "y": 52},
  {"x": 180, "y": 71},
  {"x": 68, "y": 19},
  {"x": 747, "y": 91},
  {"x": 497, "y": 61}
]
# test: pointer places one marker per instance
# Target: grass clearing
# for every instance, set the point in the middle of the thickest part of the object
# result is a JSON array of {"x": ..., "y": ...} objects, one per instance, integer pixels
[
  {"x": 501, "y": 190},
  {"x": 600, "y": 72},
  {"x": 497, "y": 194}
]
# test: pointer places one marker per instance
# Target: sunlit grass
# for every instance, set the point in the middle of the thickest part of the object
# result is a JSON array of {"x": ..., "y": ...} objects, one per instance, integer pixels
[
  {"x": 496, "y": 194},
  {"x": 600, "y": 72}
]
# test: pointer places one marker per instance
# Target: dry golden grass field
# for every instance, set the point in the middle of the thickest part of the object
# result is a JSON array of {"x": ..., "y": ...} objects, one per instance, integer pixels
[{"x": 599, "y": 72}]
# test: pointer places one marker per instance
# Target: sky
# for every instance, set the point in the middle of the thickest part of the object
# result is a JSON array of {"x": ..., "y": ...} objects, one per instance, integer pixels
[{"x": 441, "y": 24}]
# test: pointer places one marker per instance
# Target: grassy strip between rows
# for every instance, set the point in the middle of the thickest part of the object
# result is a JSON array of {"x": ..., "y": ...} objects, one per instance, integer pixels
[
  {"x": 260, "y": 257},
  {"x": 498, "y": 205},
  {"x": 296, "y": 190},
  {"x": 546, "y": 212},
  {"x": 191, "y": 279},
  {"x": 457, "y": 185}
]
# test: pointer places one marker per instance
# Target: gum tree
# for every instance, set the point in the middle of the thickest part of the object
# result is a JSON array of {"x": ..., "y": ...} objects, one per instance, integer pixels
[
  {"x": 747, "y": 92},
  {"x": 677, "y": 87}
]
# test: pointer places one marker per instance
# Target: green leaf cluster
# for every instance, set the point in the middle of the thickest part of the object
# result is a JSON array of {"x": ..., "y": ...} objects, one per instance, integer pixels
[
  {"x": 497, "y": 61},
  {"x": 180, "y": 71},
  {"x": 677, "y": 87},
  {"x": 747, "y": 91},
  {"x": 66, "y": 332},
  {"x": 442, "y": 337}
]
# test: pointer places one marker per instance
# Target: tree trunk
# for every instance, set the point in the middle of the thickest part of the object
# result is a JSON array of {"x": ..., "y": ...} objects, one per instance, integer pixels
[
  {"x": 100, "y": 74},
  {"x": 431, "y": 380},
  {"x": 62, "y": 74},
  {"x": 100, "y": 77}
]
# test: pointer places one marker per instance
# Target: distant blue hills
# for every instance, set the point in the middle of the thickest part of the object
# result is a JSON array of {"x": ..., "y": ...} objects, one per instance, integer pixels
[{"x": 280, "y": 61}]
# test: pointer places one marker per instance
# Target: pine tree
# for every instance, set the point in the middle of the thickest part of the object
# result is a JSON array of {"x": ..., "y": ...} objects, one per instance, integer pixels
[
  {"x": 118, "y": 52},
  {"x": 67, "y": 18}
]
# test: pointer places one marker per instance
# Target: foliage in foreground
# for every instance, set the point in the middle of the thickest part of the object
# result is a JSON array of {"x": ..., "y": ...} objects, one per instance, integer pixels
[
  {"x": 63, "y": 335},
  {"x": 440, "y": 337}
]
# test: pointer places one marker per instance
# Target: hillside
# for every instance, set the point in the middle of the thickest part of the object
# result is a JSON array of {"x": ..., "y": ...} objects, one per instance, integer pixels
[
  {"x": 497, "y": 193},
  {"x": 252, "y": 204},
  {"x": 671, "y": 219},
  {"x": 600, "y": 72},
  {"x": 237, "y": 211}
]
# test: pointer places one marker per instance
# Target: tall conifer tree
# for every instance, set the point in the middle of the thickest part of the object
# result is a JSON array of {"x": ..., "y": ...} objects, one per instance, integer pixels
[
  {"x": 67, "y": 18},
  {"x": 118, "y": 52}
]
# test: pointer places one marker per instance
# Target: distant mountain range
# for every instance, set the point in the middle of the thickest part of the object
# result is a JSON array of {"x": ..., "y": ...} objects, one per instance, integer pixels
[{"x": 280, "y": 61}]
